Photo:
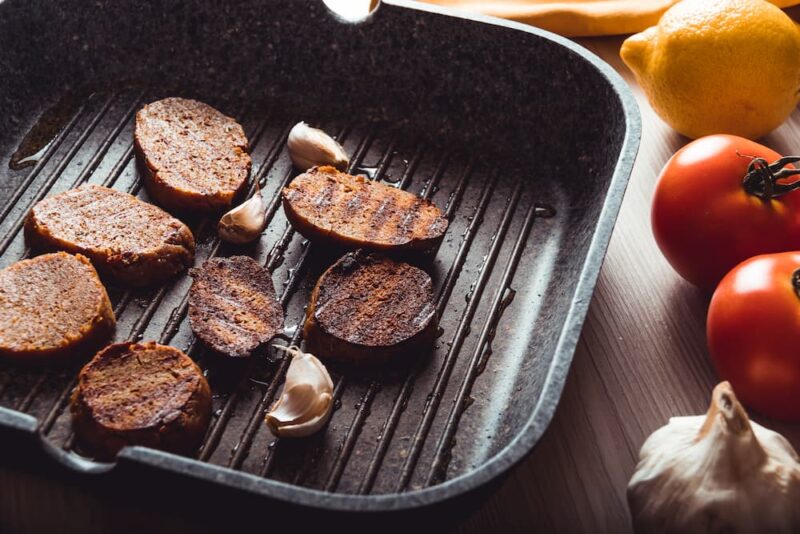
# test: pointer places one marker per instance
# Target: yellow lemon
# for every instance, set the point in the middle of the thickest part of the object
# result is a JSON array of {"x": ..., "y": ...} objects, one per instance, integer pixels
[{"x": 719, "y": 66}]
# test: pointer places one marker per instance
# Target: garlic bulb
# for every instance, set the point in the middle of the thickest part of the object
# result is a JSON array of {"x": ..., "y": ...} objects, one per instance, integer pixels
[
  {"x": 716, "y": 473},
  {"x": 245, "y": 222},
  {"x": 306, "y": 402},
  {"x": 309, "y": 147}
]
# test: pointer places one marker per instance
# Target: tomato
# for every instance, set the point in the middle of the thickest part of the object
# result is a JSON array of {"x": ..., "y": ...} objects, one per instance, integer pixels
[
  {"x": 753, "y": 333},
  {"x": 706, "y": 220}
]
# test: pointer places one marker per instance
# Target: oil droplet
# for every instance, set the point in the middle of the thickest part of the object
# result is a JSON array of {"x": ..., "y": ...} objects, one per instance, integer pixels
[
  {"x": 259, "y": 382},
  {"x": 545, "y": 211},
  {"x": 369, "y": 172},
  {"x": 472, "y": 287},
  {"x": 290, "y": 275},
  {"x": 29, "y": 160},
  {"x": 290, "y": 331},
  {"x": 41, "y": 136},
  {"x": 508, "y": 298}
]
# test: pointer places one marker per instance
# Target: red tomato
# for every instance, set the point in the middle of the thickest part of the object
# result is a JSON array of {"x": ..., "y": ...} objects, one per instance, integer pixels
[
  {"x": 704, "y": 218},
  {"x": 754, "y": 333}
]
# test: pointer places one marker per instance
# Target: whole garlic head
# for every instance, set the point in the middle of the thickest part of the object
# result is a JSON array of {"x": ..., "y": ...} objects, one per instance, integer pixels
[
  {"x": 310, "y": 147},
  {"x": 244, "y": 223},
  {"x": 717, "y": 472},
  {"x": 306, "y": 403}
]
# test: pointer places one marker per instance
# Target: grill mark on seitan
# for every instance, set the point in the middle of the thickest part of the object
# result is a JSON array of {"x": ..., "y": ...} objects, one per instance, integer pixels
[
  {"x": 161, "y": 379},
  {"x": 352, "y": 211},
  {"x": 378, "y": 220},
  {"x": 195, "y": 158},
  {"x": 52, "y": 305},
  {"x": 133, "y": 241},
  {"x": 367, "y": 306},
  {"x": 406, "y": 225},
  {"x": 326, "y": 196},
  {"x": 141, "y": 394},
  {"x": 360, "y": 200},
  {"x": 232, "y": 305},
  {"x": 384, "y": 301}
]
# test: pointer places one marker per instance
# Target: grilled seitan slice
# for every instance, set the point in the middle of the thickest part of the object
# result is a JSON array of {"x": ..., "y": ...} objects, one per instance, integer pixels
[
  {"x": 232, "y": 305},
  {"x": 132, "y": 241},
  {"x": 347, "y": 211},
  {"x": 140, "y": 394},
  {"x": 53, "y": 306},
  {"x": 193, "y": 158},
  {"x": 367, "y": 308}
]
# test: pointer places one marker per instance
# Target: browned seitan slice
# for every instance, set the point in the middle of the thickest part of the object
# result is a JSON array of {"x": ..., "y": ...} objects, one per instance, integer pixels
[
  {"x": 232, "y": 305},
  {"x": 194, "y": 158},
  {"x": 132, "y": 241},
  {"x": 140, "y": 394},
  {"x": 367, "y": 308},
  {"x": 53, "y": 306},
  {"x": 346, "y": 211}
]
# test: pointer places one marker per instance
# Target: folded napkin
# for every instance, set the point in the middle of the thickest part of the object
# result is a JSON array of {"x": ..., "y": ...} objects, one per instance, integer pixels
[{"x": 575, "y": 18}]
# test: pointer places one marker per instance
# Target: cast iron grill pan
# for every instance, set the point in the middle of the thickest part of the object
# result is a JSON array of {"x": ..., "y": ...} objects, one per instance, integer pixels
[{"x": 526, "y": 145}]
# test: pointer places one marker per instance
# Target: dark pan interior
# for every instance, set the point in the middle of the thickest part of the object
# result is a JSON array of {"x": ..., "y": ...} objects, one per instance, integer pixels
[{"x": 523, "y": 141}]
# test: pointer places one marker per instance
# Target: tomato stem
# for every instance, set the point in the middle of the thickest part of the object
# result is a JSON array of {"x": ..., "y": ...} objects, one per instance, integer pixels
[
  {"x": 796, "y": 282},
  {"x": 762, "y": 178}
]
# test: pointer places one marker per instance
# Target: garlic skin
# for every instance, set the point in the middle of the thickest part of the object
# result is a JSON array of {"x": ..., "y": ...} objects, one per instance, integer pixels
[
  {"x": 306, "y": 403},
  {"x": 717, "y": 472},
  {"x": 310, "y": 147},
  {"x": 244, "y": 223}
]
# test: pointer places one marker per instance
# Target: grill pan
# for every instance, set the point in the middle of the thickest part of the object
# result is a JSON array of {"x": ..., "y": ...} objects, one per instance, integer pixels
[{"x": 525, "y": 139}]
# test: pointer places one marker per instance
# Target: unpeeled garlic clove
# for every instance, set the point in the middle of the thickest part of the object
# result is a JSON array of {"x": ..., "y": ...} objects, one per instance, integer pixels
[
  {"x": 306, "y": 403},
  {"x": 244, "y": 223},
  {"x": 310, "y": 147}
]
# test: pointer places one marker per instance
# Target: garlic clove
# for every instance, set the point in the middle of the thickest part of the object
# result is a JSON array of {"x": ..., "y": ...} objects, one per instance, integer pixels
[
  {"x": 717, "y": 472},
  {"x": 244, "y": 223},
  {"x": 294, "y": 404},
  {"x": 310, "y": 147},
  {"x": 306, "y": 403}
]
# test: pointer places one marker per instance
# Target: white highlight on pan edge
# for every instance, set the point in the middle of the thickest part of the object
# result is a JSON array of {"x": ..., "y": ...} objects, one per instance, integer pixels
[{"x": 352, "y": 10}]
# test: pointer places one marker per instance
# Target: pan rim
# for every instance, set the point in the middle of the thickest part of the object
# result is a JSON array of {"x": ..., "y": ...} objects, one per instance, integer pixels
[{"x": 531, "y": 431}]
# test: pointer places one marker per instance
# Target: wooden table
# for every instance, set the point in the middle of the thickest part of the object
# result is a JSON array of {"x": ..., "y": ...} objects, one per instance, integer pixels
[{"x": 641, "y": 359}]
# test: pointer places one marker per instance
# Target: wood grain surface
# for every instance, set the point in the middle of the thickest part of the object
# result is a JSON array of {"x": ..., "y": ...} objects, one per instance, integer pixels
[{"x": 641, "y": 359}]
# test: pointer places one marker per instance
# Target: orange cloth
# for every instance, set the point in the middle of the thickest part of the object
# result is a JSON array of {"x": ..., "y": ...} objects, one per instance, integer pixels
[{"x": 575, "y": 18}]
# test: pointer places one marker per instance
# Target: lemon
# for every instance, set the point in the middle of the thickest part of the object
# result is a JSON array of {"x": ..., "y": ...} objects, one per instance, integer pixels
[{"x": 719, "y": 66}]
